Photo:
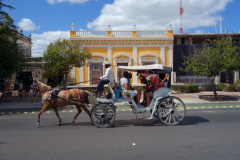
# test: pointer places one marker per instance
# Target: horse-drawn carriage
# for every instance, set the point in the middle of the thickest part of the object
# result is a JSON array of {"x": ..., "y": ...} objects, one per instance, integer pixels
[{"x": 168, "y": 109}]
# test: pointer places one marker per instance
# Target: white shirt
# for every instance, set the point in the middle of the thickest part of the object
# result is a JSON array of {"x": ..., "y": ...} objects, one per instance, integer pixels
[
  {"x": 109, "y": 74},
  {"x": 123, "y": 81}
]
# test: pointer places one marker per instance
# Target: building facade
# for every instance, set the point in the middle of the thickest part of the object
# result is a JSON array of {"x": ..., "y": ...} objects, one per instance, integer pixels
[
  {"x": 121, "y": 48},
  {"x": 182, "y": 45}
]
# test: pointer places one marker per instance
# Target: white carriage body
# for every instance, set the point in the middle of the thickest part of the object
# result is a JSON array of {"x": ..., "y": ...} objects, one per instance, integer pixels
[{"x": 162, "y": 103}]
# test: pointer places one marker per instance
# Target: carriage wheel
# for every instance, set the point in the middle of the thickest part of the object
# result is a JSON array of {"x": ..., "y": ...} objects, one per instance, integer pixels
[
  {"x": 103, "y": 115},
  {"x": 171, "y": 110}
]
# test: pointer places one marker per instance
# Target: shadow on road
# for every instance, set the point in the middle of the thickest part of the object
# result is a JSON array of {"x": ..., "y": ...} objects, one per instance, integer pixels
[
  {"x": 193, "y": 120},
  {"x": 189, "y": 120}
]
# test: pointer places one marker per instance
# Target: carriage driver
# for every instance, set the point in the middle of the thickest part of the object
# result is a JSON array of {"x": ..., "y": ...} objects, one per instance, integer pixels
[{"x": 108, "y": 77}]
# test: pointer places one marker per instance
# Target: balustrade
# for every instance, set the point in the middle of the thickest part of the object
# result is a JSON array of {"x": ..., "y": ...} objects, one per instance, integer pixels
[
  {"x": 121, "y": 33},
  {"x": 151, "y": 33},
  {"x": 91, "y": 34}
]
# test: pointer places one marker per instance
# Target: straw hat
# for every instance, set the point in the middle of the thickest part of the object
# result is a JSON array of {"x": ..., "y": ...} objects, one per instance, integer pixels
[{"x": 107, "y": 63}]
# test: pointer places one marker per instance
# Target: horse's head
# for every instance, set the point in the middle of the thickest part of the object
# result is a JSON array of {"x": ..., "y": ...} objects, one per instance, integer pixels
[{"x": 41, "y": 86}]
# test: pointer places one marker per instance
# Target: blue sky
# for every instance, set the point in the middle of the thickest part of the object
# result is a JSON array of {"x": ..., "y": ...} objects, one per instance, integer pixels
[{"x": 48, "y": 20}]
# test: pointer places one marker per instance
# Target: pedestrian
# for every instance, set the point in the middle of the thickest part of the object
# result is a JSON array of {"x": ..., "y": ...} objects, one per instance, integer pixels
[
  {"x": 20, "y": 91},
  {"x": 33, "y": 92},
  {"x": 3, "y": 88}
]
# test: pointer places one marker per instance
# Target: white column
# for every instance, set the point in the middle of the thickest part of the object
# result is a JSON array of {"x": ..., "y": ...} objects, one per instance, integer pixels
[
  {"x": 81, "y": 73},
  {"x": 135, "y": 62},
  {"x": 236, "y": 75},
  {"x": 171, "y": 61},
  {"x": 163, "y": 55},
  {"x": 110, "y": 54}
]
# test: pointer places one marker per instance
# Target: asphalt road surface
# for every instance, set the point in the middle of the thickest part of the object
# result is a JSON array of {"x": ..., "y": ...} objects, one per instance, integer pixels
[{"x": 204, "y": 134}]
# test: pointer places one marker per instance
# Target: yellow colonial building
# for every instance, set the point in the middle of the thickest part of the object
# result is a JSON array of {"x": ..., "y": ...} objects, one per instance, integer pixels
[{"x": 121, "y": 48}]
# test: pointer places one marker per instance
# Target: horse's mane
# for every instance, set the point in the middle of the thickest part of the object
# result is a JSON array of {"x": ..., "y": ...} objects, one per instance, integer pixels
[{"x": 43, "y": 86}]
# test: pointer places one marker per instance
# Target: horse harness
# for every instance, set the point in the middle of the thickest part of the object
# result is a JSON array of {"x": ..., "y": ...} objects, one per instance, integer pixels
[{"x": 53, "y": 95}]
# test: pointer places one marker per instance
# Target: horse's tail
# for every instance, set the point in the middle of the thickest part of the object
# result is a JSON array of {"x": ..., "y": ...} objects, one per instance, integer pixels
[{"x": 91, "y": 98}]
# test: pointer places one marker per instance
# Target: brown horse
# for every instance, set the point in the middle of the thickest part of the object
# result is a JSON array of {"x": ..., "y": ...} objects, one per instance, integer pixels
[{"x": 72, "y": 93}]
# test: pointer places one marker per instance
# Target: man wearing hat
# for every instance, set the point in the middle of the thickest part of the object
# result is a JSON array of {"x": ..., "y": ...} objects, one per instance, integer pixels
[{"x": 108, "y": 77}]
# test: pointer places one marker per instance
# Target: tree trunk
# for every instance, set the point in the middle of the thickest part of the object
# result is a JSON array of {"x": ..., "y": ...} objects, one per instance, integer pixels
[
  {"x": 213, "y": 88},
  {"x": 65, "y": 82}
]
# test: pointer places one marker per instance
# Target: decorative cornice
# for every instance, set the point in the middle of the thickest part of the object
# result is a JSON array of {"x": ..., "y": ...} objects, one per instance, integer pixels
[
  {"x": 119, "y": 58},
  {"x": 142, "y": 58},
  {"x": 96, "y": 59},
  {"x": 126, "y": 42}
]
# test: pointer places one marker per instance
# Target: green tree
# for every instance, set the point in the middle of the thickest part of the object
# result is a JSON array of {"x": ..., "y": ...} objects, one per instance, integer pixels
[
  {"x": 11, "y": 59},
  {"x": 213, "y": 58},
  {"x": 61, "y": 56}
]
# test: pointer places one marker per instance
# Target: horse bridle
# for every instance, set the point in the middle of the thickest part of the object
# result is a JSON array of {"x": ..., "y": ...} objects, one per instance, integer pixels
[{"x": 43, "y": 90}]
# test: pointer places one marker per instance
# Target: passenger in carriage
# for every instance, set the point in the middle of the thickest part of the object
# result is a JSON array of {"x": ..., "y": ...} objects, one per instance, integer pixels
[
  {"x": 108, "y": 77},
  {"x": 125, "y": 85},
  {"x": 149, "y": 92}
]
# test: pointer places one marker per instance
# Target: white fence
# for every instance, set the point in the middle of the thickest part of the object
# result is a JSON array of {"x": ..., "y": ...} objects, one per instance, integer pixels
[
  {"x": 193, "y": 79},
  {"x": 121, "y": 33},
  {"x": 151, "y": 33},
  {"x": 91, "y": 34}
]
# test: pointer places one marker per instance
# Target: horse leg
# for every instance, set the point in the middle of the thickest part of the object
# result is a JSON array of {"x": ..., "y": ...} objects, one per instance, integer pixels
[
  {"x": 87, "y": 111},
  {"x": 56, "y": 112},
  {"x": 39, "y": 114},
  {"x": 79, "y": 111}
]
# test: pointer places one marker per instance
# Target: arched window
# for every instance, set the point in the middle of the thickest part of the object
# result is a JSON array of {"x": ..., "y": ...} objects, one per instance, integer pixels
[
  {"x": 95, "y": 68},
  {"x": 121, "y": 60},
  {"x": 148, "y": 58}
]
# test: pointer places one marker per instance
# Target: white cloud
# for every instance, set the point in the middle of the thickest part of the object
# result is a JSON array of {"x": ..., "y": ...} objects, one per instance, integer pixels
[
  {"x": 27, "y": 25},
  {"x": 41, "y": 41},
  {"x": 71, "y": 1},
  {"x": 156, "y": 14},
  {"x": 199, "y": 31}
]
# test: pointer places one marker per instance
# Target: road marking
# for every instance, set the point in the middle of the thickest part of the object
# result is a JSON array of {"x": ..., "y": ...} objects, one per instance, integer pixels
[
  {"x": 116, "y": 109},
  {"x": 196, "y": 107},
  {"x": 217, "y": 107},
  {"x": 25, "y": 112},
  {"x": 2, "y": 112},
  {"x": 224, "y": 107},
  {"x": 70, "y": 111},
  {"x": 238, "y": 106},
  {"x": 130, "y": 109},
  {"x": 48, "y": 111},
  {"x": 17, "y": 112},
  {"x": 63, "y": 111},
  {"x": 203, "y": 107},
  {"x": 209, "y": 107},
  {"x": 134, "y": 144},
  {"x": 10, "y": 113},
  {"x": 124, "y": 110},
  {"x": 231, "y": 106},
  {"x": 33, "y": 112}
]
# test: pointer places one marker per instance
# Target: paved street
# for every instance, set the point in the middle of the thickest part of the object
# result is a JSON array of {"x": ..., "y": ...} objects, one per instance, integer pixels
[{"x": 206, "y": 133}]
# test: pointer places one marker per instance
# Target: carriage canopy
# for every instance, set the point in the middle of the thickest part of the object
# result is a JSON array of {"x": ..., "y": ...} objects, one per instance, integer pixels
[{"x": 156, "y": 68}]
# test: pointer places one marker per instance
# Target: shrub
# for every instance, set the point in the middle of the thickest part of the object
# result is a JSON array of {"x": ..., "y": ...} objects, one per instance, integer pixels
[
  {"x": 223, "y": 87},
  {"x": 237, "y": 87},
  {"x": 192, "y": 88},
  {"x": 231, "y": 88},
  {"x": 237, "y": 82}
]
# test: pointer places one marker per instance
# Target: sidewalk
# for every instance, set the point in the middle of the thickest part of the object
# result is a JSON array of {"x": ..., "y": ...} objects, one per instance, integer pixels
[{"x": 187, "y": 98}]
